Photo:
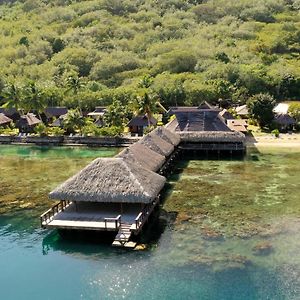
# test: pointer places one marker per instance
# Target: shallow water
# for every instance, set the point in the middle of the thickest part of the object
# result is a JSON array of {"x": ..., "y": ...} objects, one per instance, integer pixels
[{"x": 228, "y": 229}]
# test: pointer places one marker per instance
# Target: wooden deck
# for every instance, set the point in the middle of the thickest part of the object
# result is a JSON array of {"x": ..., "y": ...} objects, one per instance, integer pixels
[
  {"x": 90, "y": 216},
  {"x": 125, "y": 220}
]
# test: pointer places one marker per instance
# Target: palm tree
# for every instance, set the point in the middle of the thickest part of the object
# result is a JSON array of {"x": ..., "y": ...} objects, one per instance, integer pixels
[
  {"x": 74, "y": 84},
  {"x": 12, "y": 95},
  {"x": 74, "y": 121},
  {"x": 34, "y": 98},
  {"x": 146, "y": 105}
]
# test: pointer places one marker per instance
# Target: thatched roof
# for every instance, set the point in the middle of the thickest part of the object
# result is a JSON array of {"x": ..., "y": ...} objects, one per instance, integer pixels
[
  {"x": 284, "y": 119},
  {"x": 212, "y": 136},
  {"x": 9, "y": 111},
  {"x": 55, "y": 111},
  {"x": 29, "y": 120},
  {"x": 141, "y": 120},
  {"x": 242, "y": 110},
  {"x": 4, "y": 119},
  {"x": 111, "y": 180},
  {"x": 157, "y": 144},
  {"x": 140, "y": 154},
  {"x": 202, "y": 120},
  {"x": 167, "y": 135}
]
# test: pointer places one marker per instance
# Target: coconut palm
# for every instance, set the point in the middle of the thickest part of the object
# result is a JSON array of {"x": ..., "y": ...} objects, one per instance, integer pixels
[
  {"x": 12, "y": 95},
  {"x": 34, "y": 98},
  {"x": 146, "y": 104},
  {"x": 74, "y": 121}
]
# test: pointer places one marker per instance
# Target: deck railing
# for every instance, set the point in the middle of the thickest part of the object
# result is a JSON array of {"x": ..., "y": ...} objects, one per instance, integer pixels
[
  {"x": 48, "y": 216},
  {"x": 116, "y": 221},
  {"x": 143, "y": 216}
]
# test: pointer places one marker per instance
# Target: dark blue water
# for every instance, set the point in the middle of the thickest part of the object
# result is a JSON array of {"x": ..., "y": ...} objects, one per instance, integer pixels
[{"x": 178, "y": 264}]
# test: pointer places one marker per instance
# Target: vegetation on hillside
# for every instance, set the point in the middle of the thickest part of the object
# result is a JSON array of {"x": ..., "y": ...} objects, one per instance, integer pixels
[{"x": 88, "y": 53}]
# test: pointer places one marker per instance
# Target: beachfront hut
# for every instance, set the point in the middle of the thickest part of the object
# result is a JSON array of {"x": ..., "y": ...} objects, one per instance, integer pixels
[
  {"x": 110, "y": 194},
  {"x": 4, "y": 120},
  {"x": 145, "y": 157},
  {"x": 138, "y": 124},
  {"x": 157, "y": 144},
  {"x": 285, "y": 122},
  {"x": 98, "y": 115},
  {"x": 12, "y": 113},
  {"x": 242, "y": 111},
  {"x": 27, "y": 123},
  {"x": 53, "y": 113}
]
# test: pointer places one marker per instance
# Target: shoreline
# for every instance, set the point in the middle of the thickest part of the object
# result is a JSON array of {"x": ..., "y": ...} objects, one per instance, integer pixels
[{"x": 269, "y": 141}]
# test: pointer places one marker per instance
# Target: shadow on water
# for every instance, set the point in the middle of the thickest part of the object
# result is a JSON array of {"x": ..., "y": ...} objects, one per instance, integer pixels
[{"x": 87, "y": 243}]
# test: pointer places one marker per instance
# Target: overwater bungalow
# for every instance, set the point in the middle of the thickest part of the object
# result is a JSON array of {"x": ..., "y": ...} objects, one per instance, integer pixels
[
  {"x": 138, "y": 124},
  {"x": 145, "y": 157},
  {"x": 157, "y": 144},
  {"x": 4, "y": 120},
  {"x": 27, "y": 123},
  {"x": 205, "y": 130},
  {"x": 110, "y": 194}
]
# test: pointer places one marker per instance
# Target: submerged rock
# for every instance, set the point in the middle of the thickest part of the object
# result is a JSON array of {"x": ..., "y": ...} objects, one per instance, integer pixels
[
  {"x": 263, "y": 248},
  {"x": 140, "y": 247}
]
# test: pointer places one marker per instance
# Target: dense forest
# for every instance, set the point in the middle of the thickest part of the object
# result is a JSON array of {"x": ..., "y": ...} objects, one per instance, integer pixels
[{"x": 90, "y": 53}]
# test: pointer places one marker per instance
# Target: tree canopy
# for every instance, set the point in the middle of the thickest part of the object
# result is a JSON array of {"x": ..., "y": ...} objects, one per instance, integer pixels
[{"x": 95, "y": 52}]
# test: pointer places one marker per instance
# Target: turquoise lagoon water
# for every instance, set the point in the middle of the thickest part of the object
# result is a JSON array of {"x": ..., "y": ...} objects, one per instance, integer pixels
[{"x": 228, "y": 229}]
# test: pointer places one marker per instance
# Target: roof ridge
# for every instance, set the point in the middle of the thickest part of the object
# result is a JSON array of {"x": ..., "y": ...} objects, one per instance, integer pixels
[{"x": 133, "y": 176}]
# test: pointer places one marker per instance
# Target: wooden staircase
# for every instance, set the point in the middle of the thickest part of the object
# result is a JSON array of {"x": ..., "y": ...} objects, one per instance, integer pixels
[{"x": 123, "y": 236}]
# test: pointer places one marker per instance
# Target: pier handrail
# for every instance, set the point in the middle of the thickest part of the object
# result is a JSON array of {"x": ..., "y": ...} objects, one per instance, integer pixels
[
  {"x": 116, "y": 220},
  {"x": 47, "y": 216},
  {"x": 144, "y": 214}
]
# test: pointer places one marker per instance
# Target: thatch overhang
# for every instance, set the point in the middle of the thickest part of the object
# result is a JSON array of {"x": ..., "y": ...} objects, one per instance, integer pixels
[
  {"x": 145, "y": 157},
  {"x": 56, "y": 112},
  {"x": 29, "y": 120},
  {"x": 212, "y": 136},
  {"x": 157, "y": 144},
  {"x": 167, "y": 135},
  {"x": 4, "y": 119},
  {"x": 142, "y": 120},
  {"x": 111, "y": 180}
]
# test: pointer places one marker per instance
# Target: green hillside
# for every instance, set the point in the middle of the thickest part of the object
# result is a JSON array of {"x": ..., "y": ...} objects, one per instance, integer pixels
[{"x": 95, "y": 51}]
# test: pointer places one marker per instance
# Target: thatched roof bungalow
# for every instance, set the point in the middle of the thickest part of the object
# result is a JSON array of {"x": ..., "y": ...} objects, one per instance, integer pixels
[
  {"x": 167, "y": 135},
  {"x": 55, "y": 112},
  {"x": 143, "y": 156},
  {"x": 28, "y": 122},
  {"x": 212, "y": 136},
  {"x": 138, "y": 123},
  {"x": 10, "y": 112},
  {"x": 157, "y": 144},
  {"x": 4, "y": 120},
  {"x": 111, "y": 180}
]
